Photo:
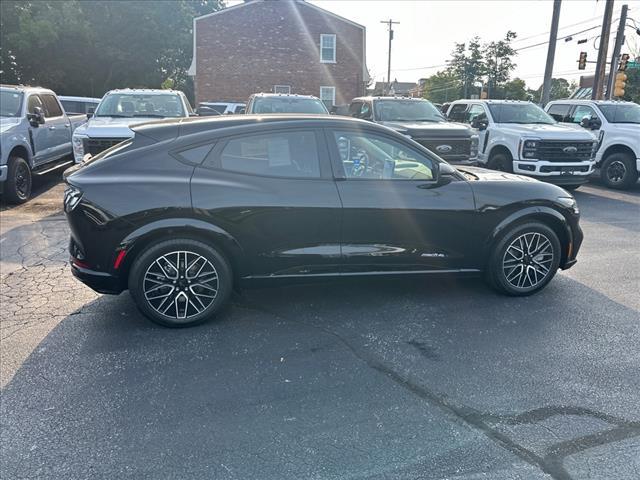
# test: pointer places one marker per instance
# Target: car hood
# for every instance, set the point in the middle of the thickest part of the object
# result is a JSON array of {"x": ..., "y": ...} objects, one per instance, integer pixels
[
  {"x": 7, "y": 123},
  {"x": 485, "y": 175},
  {"x": 555, "y": 131},
  {"x": 430, "y": 129},
  {"x": 111, "y": 127}
]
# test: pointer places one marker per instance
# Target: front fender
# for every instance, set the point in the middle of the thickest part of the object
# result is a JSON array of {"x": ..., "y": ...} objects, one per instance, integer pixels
[
  {"x": 12, "y": 139},
  {"x": 500, "y": 140}
]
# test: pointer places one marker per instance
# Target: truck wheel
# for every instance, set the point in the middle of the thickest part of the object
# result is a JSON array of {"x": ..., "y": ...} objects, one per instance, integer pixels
[
  {"x": 180, "y": 282},
  {"x": 502, "y": 162},
  {"x": 18, "y": 185},
  {"x": 524, "y": 260},
  {"x": 619, "y": 171}
]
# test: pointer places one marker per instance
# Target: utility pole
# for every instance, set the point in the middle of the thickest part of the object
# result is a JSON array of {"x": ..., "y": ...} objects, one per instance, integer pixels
[
  {"x": 551, "y": 53},
  {"x": 390, "y": 23},
  {"x": 601, "y": 65},
  {"x": 616, "y": 51}
]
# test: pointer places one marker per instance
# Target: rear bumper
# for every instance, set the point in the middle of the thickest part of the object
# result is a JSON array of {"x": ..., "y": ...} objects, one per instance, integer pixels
[{"x": 101, "y": 282}]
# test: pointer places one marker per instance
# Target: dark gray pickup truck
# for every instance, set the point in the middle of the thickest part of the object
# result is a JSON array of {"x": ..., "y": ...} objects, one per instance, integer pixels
[{"x": 420, "y": 120}]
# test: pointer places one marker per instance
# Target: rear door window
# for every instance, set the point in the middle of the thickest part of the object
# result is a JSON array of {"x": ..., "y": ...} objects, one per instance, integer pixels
[{"x": 276, "y": 154}]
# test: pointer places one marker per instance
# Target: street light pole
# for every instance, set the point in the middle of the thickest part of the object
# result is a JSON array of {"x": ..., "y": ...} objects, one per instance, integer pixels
[
  {"x": 551, "y": 53},
  {"x": 616, "y": 51},
  {"x": 390, "y": 23},
  {"x": 601, "y": 65}
]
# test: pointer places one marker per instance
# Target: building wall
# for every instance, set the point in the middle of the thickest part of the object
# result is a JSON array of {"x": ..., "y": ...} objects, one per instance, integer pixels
[{"x": 250, "y": 49}]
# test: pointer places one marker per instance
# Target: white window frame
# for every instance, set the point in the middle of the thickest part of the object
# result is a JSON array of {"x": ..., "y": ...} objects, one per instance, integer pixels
[
  {"x": 288, "y": 87},
  {"x": 335, "y": 42},
  {"x": 333, "y": 97}
]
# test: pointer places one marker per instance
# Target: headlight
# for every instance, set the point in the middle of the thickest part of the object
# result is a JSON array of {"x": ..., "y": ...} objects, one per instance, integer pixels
[
  {"x": 78, "y": 147},
  {"x": 569, "y": 202},
  {"x": 530, "y": 149},
  {"x": 474, "y": 147},
  {"x": 72, "y": 196}
]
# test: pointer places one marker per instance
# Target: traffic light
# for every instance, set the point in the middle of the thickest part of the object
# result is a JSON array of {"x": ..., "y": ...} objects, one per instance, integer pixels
[
  {"x": 624, "y": 59},
  {"x": 582, "y": 62},
  {"x": 621, "y": 82}
]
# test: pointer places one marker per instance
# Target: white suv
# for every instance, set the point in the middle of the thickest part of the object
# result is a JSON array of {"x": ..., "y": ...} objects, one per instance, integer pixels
[
  {"x": 520, "y": 137},
  {"x": 617, "y": 125}
]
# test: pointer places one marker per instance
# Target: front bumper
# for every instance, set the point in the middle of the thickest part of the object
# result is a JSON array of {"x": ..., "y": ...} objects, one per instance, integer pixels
[
  {"x": 561, "y": 173},
  {"x": 101, "y": 282}
]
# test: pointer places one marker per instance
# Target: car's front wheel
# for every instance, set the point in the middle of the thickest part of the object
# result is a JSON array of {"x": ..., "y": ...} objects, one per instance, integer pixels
[
  {"x": 524, "y": 260},
  {"x": 619, "y": 171},
  {"x": 180, "y": 283}
]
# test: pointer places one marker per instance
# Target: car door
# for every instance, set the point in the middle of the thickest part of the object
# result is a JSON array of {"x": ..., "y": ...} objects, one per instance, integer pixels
[
  {"x": 395, "y": 216},
  {"x": 475, "y": 116},
  {"x": 272, "y": 190},
  {"x": 39, "y": 135},
  {"x": 58, "y": 126}
]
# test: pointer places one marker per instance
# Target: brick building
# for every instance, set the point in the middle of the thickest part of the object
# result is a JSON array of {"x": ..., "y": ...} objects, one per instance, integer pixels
[{"x": 278, "y": 46}]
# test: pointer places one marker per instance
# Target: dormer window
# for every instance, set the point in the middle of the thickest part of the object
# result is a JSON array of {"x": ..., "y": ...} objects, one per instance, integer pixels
[{"x": 327, "y": 48}]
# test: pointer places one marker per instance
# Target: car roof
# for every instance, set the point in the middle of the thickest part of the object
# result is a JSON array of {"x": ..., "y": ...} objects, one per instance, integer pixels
[
  {"x": 26, "y": 88},
  {"x": 492, "y": 102},
  {"x": 388, "y": 97},
  {"x": 79, "y": 99},
  {"x": 290, "y": 95},
  {"x": 587, "y": 101},
  {"x": 167, "y": 128},
  {"x": 143, "y": 91}
]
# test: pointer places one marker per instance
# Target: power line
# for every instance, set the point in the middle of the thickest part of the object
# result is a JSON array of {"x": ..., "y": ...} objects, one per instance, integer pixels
[{"x": 518, "y": 40}]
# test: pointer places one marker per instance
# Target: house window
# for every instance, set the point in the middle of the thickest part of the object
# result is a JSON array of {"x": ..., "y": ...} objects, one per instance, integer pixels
[
  {"x": 286, "y": 89},
  {"x": 328, "y": 96},
  {"x": 328, "y": 48}
]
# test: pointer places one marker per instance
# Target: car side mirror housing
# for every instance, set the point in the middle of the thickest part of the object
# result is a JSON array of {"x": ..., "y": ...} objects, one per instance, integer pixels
[
  {"x": 36, "y": 118},
  {"x": 479, "y": 124},
  {"x": 590, "y": 123},
  {"x": 595, "y": 123},
  {"x": 90, "y": 112}
]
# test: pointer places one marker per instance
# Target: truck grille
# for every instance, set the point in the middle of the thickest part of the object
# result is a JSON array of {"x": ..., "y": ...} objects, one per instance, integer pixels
[
  {"x": 460, "y": 148},
  {"x": 554, "y": 151},
  {"x": 97, "y": 145}
]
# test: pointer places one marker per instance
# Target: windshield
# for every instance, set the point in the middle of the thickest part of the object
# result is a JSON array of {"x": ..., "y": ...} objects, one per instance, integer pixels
[
  {"x": 519, "y": 113},
  {"x": 288, "y": 105},
  {"x": 624, "y": 113},
  {"x": 10, "y": 103},
  {"x": 406, "y": 111},
  {"x": 139, "y": 105}
]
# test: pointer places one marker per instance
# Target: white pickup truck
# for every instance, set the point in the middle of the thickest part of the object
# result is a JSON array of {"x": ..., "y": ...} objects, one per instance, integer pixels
[
  {"x": 118, "y": 110},
  {"x": 617, "y": 126},
  {"x": 522, "y": 138}
]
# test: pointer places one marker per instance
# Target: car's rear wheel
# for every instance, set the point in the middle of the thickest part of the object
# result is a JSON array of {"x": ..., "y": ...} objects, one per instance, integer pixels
[
  {"x": 619, "y": 171},
  {"x": 501, "y": 161},
  {"x": 19, "y": 181},
  {"x": 524, "y": 260},
  {"x": 180, "y": 283}
]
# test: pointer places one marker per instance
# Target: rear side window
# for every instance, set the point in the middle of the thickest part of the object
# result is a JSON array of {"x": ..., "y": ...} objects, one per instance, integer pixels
[
  {"x": 51, "y": 105},
  {"x": 457, "y": 113},
  {"x": 559, "y": 112},
  {"x": 277, "y": 154},
  {"x": 195, "y": 155}
]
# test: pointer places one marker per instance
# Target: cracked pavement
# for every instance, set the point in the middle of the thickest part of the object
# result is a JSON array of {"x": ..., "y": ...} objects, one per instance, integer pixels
[{"x": 353, "y": 379}]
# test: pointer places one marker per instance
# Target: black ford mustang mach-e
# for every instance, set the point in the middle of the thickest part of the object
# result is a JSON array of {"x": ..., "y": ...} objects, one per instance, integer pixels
[{"x": 189, "y": 208}]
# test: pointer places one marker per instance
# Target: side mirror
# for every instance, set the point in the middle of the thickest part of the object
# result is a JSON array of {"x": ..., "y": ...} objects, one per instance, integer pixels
[
  {"x": 595, "y": 123},
  {"x": 480, "y": 124},
  {"x": 585, "y": 122},
  {"x": 90, "y": 112},
  {"x": 242, "y": 111},
  {"x": 36, "y": 118}
]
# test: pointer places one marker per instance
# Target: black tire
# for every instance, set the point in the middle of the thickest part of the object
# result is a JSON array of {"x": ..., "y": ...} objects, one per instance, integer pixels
[
  {"x": 19, "y": 181},
  {"x": 503, "y": 270},
  {"x": 501, "y": 161},
  {"x": 188, "y": 303},
  {"x": 572, "y": 187},
  {"x": 619, "y": 171}
]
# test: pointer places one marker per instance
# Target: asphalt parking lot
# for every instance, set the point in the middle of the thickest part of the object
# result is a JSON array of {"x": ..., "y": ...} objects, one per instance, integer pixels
[{"x": 362, "y": 379}]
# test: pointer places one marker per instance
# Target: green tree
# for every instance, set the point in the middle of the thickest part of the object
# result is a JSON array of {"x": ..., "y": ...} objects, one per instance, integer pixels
[
  {"x": 89, "y": 47},
  {"x": 442, "y": 87},
  {"x": 560, "y": 88},
  {"x": 498, "y": 62},
  {"x": 632, "y": 89},
  {"x": 467, "y": 63},
  {"x": 515, "y": 89}
]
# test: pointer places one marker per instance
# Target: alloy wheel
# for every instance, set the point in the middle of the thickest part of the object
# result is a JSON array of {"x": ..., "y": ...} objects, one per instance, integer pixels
[
  {"x": 22, "y": 180},
  {"x": 180, "y": 285},
  {"x": 616, "y": 171},
  {"x": 528, "y": 260}
]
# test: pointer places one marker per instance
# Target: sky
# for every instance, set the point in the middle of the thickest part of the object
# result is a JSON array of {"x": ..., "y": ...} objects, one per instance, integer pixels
[{"x": 429, "y": 29}]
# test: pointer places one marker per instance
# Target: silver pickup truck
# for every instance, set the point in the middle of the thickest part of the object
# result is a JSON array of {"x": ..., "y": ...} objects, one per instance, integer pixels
[{"x": 35, "y": 138}]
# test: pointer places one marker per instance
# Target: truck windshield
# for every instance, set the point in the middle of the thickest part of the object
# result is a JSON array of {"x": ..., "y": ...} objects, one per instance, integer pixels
[
  {"x": 624, "y": 113},
  {"x": 10, "y": 103},
  {"x": 288, "y": 105},
  {"x": 406, "y": 111},
  {"x": 519, "y": 113},
  {"x": 139, "y": 105}
]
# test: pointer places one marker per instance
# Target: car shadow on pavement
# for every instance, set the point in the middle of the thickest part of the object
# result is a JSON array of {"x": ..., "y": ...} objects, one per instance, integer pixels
[
  {"x": 41, "y": 185},
  {"x": 370, "y": 378}
]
